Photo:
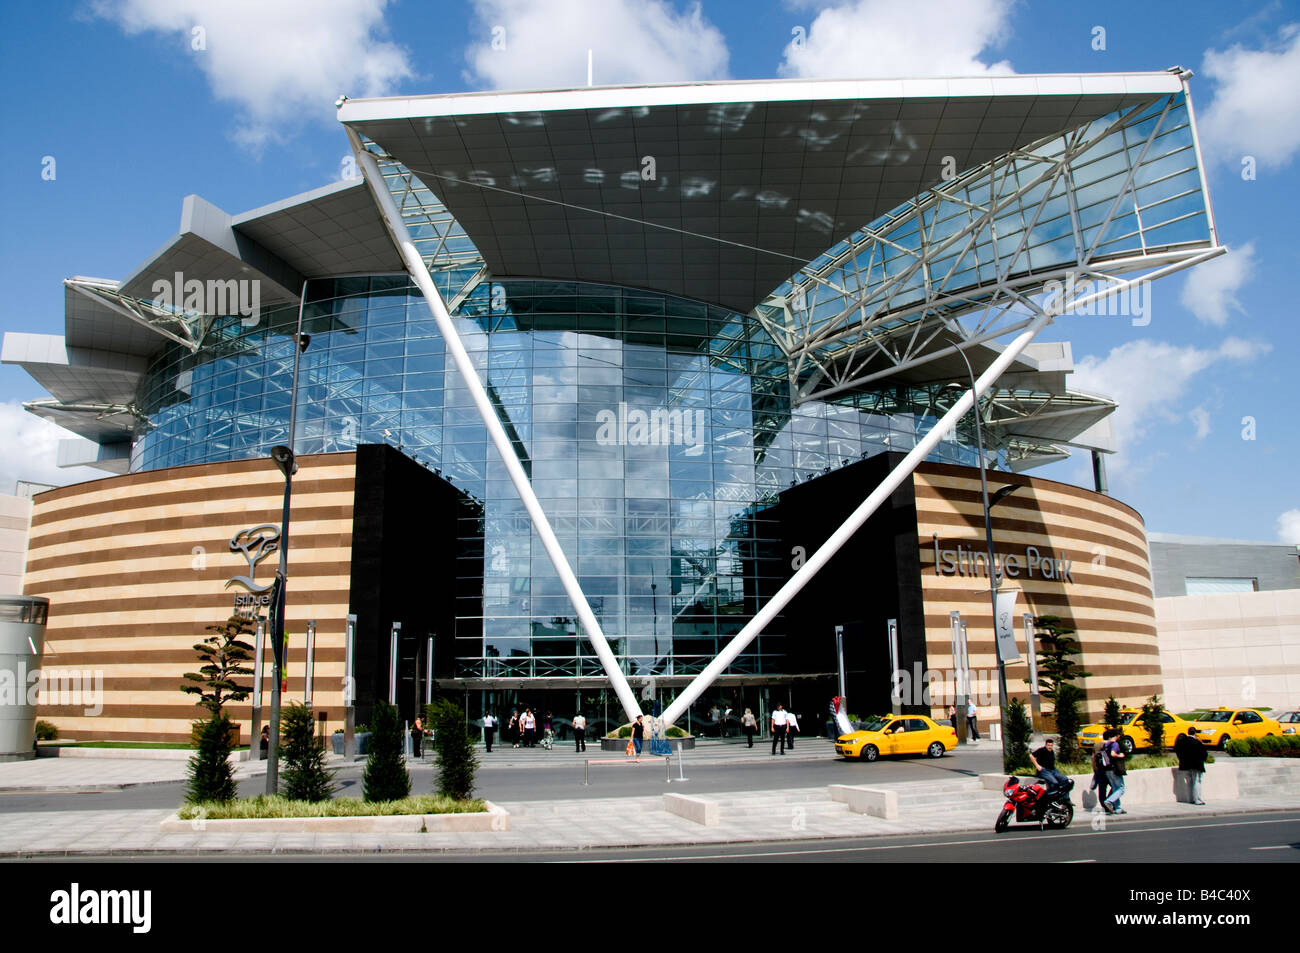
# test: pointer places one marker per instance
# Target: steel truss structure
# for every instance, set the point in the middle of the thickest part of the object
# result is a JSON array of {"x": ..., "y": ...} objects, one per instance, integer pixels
[
  {"x": 184, "y": 328},
  {"x": 960, "y": 264},
  {"x": 953, "y": 268}
]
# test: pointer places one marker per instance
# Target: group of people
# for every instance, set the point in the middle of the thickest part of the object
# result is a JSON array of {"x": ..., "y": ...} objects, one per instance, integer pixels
[
  {"x": 1109, "y": 766},
  {"x": 785, "y": 725},
  {"x": 972, "y": 722},
  {"x": 522, "y": 730}
]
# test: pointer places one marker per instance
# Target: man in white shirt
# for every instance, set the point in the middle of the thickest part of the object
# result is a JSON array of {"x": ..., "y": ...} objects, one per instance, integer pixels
[
  {"x": 579, "y": 732},
  {"x": 489, "y": 729},
  {"x": 779, "y": 719},
  {"x": 791, "y": 726}
]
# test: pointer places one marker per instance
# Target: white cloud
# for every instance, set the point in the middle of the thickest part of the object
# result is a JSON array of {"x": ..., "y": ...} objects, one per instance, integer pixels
[
  {"x": 1201, "y": 418},
  {"x": 1256, "y": 105},
  {"x": 276, "y": 62},
  {"x": 31, "y": 446},
  {"x": 885, "y": 38},
  {"x": 1288, "y": 527},
  {"x": 1151, "y": 380},
  {"x": 1210, "y": 291},
  {"x": 541, "y": 45}
]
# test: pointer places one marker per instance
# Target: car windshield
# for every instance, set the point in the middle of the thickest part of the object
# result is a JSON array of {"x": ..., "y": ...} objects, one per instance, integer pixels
[
  {"x": 876, "y": 724},
  {"x": 1127, "y": 717},
  {"x": 1218, "y": 716}
]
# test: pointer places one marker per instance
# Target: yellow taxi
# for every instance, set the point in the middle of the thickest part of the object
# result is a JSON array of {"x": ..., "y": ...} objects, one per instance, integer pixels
[
  {"x": 897, "y": 734},
  {"x": 1134, "y": 734},
  {"x": 1290, "y": 722},
  {"x": 1218, "y": 726}
]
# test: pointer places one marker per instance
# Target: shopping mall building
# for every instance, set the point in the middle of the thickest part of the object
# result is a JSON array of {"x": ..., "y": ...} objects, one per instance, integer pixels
[{"x": 704, "y": 322}]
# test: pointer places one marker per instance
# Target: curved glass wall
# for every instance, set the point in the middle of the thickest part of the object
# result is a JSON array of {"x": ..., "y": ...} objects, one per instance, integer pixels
[{"x": 655, "y": 431}]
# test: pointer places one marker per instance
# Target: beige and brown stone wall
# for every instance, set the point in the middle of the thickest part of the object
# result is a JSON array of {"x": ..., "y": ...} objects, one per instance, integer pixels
[
  {"x": 1107, "y": 599},
  {"x": 136, "y": 566}
]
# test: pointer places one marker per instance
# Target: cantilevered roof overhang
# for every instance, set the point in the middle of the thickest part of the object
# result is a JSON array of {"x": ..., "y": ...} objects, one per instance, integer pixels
[{"x": 713, "y": 191}]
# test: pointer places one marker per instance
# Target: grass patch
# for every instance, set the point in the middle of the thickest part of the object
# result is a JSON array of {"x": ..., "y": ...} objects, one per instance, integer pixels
[
  {"x": 1132, "y": 763},
  {"x": 263, "y": 806}
]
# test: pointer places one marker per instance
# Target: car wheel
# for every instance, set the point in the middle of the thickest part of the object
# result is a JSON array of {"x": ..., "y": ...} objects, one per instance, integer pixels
[
  {"x": 1223, "y": 742},
  {"x": 936, "y": 750},
  {"x": 1003, "y": 819},
  {"x": 869, "y": 753},
  {"x": 1062, "y": 818},
  {"x": 1128, "y": 745}
]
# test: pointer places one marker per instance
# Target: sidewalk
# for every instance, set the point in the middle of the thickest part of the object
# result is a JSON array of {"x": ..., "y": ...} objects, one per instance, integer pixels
[{"x": 951, "y": 805}]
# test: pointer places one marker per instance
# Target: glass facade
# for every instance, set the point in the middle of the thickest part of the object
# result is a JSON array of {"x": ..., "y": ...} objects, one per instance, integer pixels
[{"x": 655, "y": 430}]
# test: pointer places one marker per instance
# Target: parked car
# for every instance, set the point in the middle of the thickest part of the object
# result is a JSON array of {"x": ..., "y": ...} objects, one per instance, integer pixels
[
  {"x": 897, "y": 734},
  {"x": 1290, "y": 722},
  {"x": 1221, "y": 725},
  {"x": 1134, "y": 734}
]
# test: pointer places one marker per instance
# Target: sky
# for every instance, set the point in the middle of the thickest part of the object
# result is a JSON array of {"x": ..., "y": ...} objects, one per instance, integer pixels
[{"x": 134, "y": 104}]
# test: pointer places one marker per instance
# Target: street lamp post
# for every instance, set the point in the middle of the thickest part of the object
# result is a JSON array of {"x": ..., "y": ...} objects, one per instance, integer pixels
[
  {"x": 992, "y": 566},
  {"x": 284, "y": 460}
]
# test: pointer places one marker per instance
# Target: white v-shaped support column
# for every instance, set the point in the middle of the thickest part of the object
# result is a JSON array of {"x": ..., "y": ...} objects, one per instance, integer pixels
[
  {"x": 891, "y": 482},
  {"x": 437, "y": 307}
]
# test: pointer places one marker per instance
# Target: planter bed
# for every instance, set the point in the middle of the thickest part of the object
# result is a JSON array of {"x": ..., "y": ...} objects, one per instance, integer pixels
[
  {"x": 620, "y": 745},
  {"x": 493, "y": 819}
]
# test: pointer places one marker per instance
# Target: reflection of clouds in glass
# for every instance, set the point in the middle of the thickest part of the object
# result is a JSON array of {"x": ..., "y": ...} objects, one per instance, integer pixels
[{"x": 695, "y": 186}]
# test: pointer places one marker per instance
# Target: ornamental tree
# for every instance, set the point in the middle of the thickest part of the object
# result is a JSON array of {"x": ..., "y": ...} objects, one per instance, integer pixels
[{"x": 224, "y": 656}]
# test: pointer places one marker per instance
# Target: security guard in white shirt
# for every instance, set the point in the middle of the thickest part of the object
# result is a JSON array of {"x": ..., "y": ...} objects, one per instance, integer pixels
[{"x": 779, "y": 719}]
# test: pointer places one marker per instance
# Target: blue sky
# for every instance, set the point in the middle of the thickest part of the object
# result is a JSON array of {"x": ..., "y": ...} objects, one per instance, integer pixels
[{"x": 136, "y": 118}]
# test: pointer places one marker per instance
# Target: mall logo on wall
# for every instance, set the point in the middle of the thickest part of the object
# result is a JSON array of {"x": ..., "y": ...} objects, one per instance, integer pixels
[
  {"x": 965, "y": 561},
  {"x": 255, "y": 543},
  {"x": 241, "y": 296},
  {"x": 658, "y": 427}
]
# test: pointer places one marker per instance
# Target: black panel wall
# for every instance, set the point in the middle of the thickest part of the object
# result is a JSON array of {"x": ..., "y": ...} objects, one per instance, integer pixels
[
  {"x": 876, "y": 576},
  {"x": 404, "y": 560}
]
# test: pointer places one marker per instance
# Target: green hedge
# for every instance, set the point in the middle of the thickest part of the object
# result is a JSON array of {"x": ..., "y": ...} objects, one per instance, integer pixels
[{"x": 1286, "y": 746}]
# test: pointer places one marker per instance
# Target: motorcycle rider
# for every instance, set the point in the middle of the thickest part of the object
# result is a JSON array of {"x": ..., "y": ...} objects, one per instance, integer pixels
[{"x": 1044, "y": 761}]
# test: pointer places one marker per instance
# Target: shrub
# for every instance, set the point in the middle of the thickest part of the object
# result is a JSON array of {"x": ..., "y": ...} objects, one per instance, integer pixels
[
  {"x": 1019, "y": 731},
  {"x": 210, "y": 775},
  {"x": 1068, "y": 696},
  {"x": 305, "y": 776},
  {"x": 1286, "y": 746},
  {"x": 1111, "y": 715},
  {"x": 45, "y": 731},
  {"x": 1152, "y": 720},
  {"x": 386, "y": 777},
  {"x": 455, "y": 747}
]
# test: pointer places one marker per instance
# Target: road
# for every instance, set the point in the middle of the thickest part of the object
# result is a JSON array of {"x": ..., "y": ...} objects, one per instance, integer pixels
[
  {"x": 1258, "y": 838},
  {"x": 564, "y": 781}
]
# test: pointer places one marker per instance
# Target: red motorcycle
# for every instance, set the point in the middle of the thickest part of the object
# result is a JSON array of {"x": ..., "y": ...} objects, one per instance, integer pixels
[{"x": 1033, "y": 803}]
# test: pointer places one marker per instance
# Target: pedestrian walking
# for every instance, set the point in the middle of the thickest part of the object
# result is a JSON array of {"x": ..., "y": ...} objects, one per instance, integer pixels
[
  {"x": 417, "y": 738},
  {"x": 529, "y": 722},
  {"x": 778, "y": 728},
  {"x": 579, "y": 732},
  {"x": 971, "y": 724},
  {"x": 1115, "y": 772},
  {"x": 489, "y": 729},
  {"x": 750, "y": 724},
  {"x": 1191, "y": 761},
  {"x": 512, "y": 728},
  {"x": 1100, "y": 774},
  {"x": 791, "y": 727},
  {"x": 638, "y": 736},
  {"x": 952, "y": 719}
]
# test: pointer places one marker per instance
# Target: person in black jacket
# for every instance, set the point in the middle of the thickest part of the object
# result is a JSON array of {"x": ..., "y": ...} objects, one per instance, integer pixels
[{"x": 1191, "y": 759}]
